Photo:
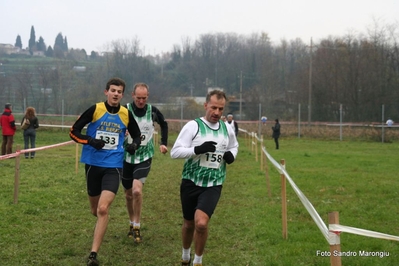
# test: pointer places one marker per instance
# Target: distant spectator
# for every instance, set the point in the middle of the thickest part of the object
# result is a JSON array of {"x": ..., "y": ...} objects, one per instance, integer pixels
[
  {"x": 30, "y": 132},
  {"x": 389, "y": 122},
  {"x": 232, "y": 123},
  {"x": 7, "y": 123},
  {"x": 276, "y": 132}
]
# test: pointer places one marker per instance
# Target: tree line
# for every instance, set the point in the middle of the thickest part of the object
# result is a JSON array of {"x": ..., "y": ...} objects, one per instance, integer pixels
[
  {"x": 58, "y": 50},
  {"x": 358, "y": 72}
]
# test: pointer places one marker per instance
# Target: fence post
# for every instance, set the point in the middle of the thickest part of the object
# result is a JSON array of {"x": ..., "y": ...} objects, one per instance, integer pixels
[
  {"x": 252, "y": 141},
  {"x": 16, "y": 178},
  {"x": 382, "y": 124},
  {"x": 256, "y": 147},
  {"x": 267, "y": 176},
  {"x": 261, "y": 153},
  {"x": 284, "y": 201},
  {"x": 335, "y": 243}
]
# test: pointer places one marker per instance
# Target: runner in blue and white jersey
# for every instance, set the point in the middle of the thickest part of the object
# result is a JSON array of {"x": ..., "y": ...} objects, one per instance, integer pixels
[{"x": 102, "y": 153}]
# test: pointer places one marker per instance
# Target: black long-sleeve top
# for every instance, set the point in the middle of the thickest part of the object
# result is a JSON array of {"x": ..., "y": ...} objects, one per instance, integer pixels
[
  {"x": 157, "y": 116},
  {"x": 87, "y": 117}
]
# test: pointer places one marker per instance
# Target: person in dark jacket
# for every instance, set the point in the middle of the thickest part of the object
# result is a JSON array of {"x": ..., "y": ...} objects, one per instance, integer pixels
[
  {"x": 276, "y": 132},
  {"x": 30, "y": 132},
  {"x": 8, "y": 128}
]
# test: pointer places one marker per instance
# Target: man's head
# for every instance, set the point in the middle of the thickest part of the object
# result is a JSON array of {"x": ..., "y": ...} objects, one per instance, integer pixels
[
  {"x": 214, "y": 105},
  {"x": 114, "y": 91},
  {"x": 230, "y": 117},
  {"x": 140, "y": 94},
  {"x": 8, "y": 106}
]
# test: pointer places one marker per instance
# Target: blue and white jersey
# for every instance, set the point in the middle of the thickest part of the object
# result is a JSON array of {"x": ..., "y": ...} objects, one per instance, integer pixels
[{"x": 111, "y": 128}]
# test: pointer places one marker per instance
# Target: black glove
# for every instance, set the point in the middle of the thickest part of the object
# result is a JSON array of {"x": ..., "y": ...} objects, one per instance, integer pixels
[
  {"x": 97, "y": 144},
  {"x": 228, "y": 157},
  {"x": 207, "y": 146},
  {"x": 131, "y": 148}
]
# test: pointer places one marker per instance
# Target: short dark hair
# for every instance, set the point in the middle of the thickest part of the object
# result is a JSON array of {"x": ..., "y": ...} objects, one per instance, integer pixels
[
  {"x": 8, "y": 105},
  {"x": 116, "y": 82},
  {"x": 219, "y": 94}
]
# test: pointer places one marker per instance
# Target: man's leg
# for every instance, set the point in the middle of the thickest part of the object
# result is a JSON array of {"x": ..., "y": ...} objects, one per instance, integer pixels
[
  {"x": 129, "y": 202},
  {"x": 201, "y": 231},
  {"x": 137, "y": 200},
  {"x": 187, "y": 232},
  {"x": 134, "y": 202},
  {"x": 10, "y": 140},
  {"x": 134, "y": 194},
  {"x": 93, "y": 204},
  {"x": 3, "y": 145},
  {"x": 133, "y": 209},
  {"x": 102, "y": 212}
]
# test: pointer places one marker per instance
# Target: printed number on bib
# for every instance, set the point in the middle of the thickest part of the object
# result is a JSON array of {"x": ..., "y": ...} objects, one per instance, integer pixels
[
  {"x": 211, "y": 160},
  {"x": 111, "y": 139},
  {"x": 144, "y": 140}
]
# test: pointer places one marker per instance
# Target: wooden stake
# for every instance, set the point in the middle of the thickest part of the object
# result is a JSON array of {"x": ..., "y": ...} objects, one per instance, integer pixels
[
  {"x": 261, "y": 154},
  {"x": 256, "y": 148},
  {"x": 335, "y": 249},
  {"x": 16, "y": 178},
  {"x": 267, "y": 178},
  {"x": 284, "y": 202}
]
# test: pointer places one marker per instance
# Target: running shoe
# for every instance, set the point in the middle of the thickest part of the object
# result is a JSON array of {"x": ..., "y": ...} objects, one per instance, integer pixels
[
  {"x": 186, "y": 262},
  {"x": 130, "y": 234},
  {"x": 92, "y": 261},
  {"x": 134, "y": 232}
]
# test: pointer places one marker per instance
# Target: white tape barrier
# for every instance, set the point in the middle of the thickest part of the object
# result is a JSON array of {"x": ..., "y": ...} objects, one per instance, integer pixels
[
  {"x": 338, "y": 228},
  {"x": 17, "y": 153},
  {"x": 331, "y": 234},
  {"x": 313, "y": 213}
]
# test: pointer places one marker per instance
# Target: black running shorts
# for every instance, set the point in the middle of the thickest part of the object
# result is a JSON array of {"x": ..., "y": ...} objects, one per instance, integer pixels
[
  {"x": 135, "y": 171},
  {"x": 193, "y": 197},
  {"x": 100, "y": 178}
]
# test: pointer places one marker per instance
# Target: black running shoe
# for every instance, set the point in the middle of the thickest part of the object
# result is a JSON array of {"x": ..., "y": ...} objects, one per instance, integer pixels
[
  {"x": 136, "y": 234},
  {"x": 130, "y": 234},
  {"x": 91, "y": 261}
]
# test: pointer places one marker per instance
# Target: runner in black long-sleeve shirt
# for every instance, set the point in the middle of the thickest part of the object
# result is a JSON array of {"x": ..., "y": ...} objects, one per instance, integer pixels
[{"x": 103, "y": 152}]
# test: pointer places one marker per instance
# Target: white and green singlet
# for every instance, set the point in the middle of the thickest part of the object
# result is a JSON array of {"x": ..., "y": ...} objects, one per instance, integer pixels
[{"x": 146, "y": 149}]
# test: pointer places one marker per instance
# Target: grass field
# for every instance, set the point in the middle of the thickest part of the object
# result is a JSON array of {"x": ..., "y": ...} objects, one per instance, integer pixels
[{"x": 51, "y": 224}]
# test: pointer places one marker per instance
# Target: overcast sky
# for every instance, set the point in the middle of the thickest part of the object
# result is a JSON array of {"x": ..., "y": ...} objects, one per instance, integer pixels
[{"x": 92, "y": 24}]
